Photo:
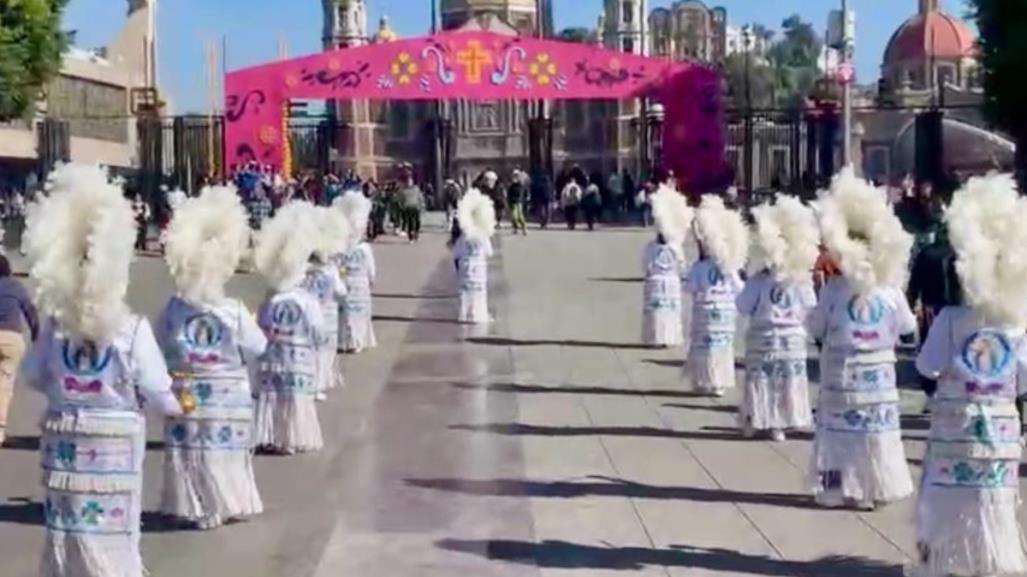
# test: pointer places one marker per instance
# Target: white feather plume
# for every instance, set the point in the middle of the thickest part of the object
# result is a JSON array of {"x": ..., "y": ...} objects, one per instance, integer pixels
[
  {"x": 333, "y": 232},
  {"x": 672, "y": 216},
  {"x": 987, "y": 224},
  {"x": 79, "y": 244},
  {"x": 476, "y": 215},
  {"x": 176, "y": 198},
  {"x": 862, "y": 233},
  {"x": 721, "y": 233},
  {"x": 785, "y": 240},
  {"x": 285, "y": 245},
  {"x": 357, "y": 209},
  {"x": 205, "y": 242}
]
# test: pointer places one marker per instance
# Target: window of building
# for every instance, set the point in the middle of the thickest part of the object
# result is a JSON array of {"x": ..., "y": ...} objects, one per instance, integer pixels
[
  {"x": 627, "y": 10},
  {"x": 628, "y": 45}
]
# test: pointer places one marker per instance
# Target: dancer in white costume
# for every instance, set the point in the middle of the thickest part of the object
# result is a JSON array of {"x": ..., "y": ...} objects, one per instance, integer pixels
[
  {"x": 714, "y": 283},
  {"x": 663, "y": 263},
  {"x": 356, "y": 328},
  {"x": 209, "y": 341},
  {"x": 476, "y": 223},
  {"x": 95, "y": 361},
  {"x": 323, "y": 281},
  {"x": 967, "y": 514},
  {"x": 778, "y": 300},
  {"x": 286, "y": 420},
  {"x": 858, "y": 457}
]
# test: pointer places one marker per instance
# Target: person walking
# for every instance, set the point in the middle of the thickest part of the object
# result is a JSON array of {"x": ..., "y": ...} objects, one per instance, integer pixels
[
  {"x": 141, "y": 214},
  {"x": 858, "y": 456},
  {"x": 663, "y": 262},
  {"x": 210, "y": 341},
  {"x": 542, "y": 197},
  {"x": 412, "y": 199},
  {"x": 356, "y": 319},
  {"x": 592, "y": 201},
  {"x": 517, "y": 198},
  {"x": 18, "y": 318},
  {"x": 99, "y": 366},
  {"x": 472, "y": 248},
  {"x": 325, "y": 284},
  {"x": 966, "y": 515},
  {"x": 570, "y": 199}
]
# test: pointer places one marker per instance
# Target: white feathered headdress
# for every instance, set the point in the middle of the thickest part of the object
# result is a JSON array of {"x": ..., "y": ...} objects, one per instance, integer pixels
[
  {"x": 176, "y": 198},
  {"x": 357, "y": 209},
  {"x": 476, "y": 215},
  {"x": 205, "y": 241},
  {"x": 862, "y": 233},
  {"x": 672, "y": 216},
  {"x": 333, "y": 232},
  {"x": 785, "y": 240},
  {"x": 285, "y": 245},
  {"x": 722, "y": 234},
  {"x": 79, "y": 244},
  {"x": 987, "y": 224}
]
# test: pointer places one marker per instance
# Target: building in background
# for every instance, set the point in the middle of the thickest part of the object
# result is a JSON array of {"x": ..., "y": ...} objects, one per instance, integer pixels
[
  {"x": 92, "y": 103},
  {"x": 689, "y": 30}
]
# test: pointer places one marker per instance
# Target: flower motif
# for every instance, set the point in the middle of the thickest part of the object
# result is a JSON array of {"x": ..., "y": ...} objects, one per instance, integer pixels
[
  {"x": 179, "y": 433},
  {"x": 404, "y": 68},
  {"x": 91, "y": 513},
  {"x": 268, "y": 135},
  {"x": 203, "y": 391},
  {"x": 67, "y": 453},
  {"x": 225, "y": 434},
  {"x": 385, "y": 82},
  {"x": 542, "y": 69}
]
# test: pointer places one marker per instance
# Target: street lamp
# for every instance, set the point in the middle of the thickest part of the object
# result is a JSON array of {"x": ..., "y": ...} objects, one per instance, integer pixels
[
  {"x": 747, "y": 47},
  {"x": 654, "y": 122}
]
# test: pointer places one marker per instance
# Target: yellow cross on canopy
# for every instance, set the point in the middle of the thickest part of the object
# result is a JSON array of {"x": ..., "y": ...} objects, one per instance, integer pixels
[{"x": 473, "y": 58}]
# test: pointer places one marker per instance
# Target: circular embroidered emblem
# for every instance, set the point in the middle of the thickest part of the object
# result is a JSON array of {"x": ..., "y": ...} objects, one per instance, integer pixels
[
  {"x": 204, "y": 331},
  {"x": 987, "y": 354},
  {"x": 85, "y": 358},
  {"x": 866, "y": 311}
]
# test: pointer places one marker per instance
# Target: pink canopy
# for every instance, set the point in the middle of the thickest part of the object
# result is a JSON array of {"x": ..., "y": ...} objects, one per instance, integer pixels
[{"x": 481, "y": 66}]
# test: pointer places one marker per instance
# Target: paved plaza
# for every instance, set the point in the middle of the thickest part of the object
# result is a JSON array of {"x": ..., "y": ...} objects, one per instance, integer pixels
[{"x": 549, "y": 444}]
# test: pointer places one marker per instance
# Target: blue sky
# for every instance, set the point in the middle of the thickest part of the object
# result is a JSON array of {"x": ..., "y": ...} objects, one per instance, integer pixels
[{"x": 253, "y": 29}]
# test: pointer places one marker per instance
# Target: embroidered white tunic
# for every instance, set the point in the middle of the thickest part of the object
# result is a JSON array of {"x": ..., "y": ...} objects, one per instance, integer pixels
[
  {"x": 356, "y": 331},
  {"x": 661, "y": 318},
  {"x": 967, "y": 513},
  {"x": 208, "y": 468},
  {"x": 472, "y": 263},
  {"x": 776, "y": 392},
  {"x": 710, "y": 365},
  {"x": 286, "y": 412},
  {"x": 858, "y": 452},
  {"x": 93, "y": 443},
  {"x": 325, "y": 284}
]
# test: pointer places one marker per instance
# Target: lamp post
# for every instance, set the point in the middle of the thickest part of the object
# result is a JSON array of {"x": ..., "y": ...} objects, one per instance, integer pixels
[
  {"x": 748, "y": 128},
  {"x": 846, "y": 57},
  {"x": 437, "y": 132}
]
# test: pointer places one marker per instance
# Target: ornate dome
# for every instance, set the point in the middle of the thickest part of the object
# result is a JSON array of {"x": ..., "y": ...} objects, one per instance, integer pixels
[
  {"x": 385, "y": 32},
  {"x": 449, "y": 6},
  {"x": 931, "y": 33}
]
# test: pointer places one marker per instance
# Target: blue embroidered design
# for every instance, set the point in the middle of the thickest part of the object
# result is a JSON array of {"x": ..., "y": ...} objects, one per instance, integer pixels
[
  {"x": 866, "y": 311},
  {"x": 986, "y": 354},
  {"x": 67, "y": 453},
  {"x": 85, "y": 359}
]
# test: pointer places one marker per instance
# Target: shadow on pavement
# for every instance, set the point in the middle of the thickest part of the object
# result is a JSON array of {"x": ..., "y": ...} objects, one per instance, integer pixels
[
  {"x": 31, "y": 443},
  {"x": 566, "y": 555},
  {"x": 711, "y": 408},
  {"x": 671, "y": 363},
  {"x": 505, "y": 342},
  {"x": 547, "y": 431},
  {"x": 414, "y": 297},
  {"x": 535, "y": 389},
  {"x": 426, "y": 320},
  {"x": 608, "y": 487},
  {"x": 617, "y": 279}
]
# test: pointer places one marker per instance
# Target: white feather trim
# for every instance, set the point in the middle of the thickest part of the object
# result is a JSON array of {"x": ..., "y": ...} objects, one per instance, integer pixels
[
  {"x": 357, "y": 209},
  {"x": 476, "y": 215},
  {"x": 285, "y": 245},
  {"x": 862, "y": 233},
  {"x": 672, "y": 216},
  {"x": 987, "y": 225},
  {"x": 785, "y": 240},
  {"x": 721, "y": 233},
  {"x": 176, "y": 198},
  {"x": 333, "y": 232},
  {"x": 205, "y": 242},
  {"x": 79, "y": 244}
]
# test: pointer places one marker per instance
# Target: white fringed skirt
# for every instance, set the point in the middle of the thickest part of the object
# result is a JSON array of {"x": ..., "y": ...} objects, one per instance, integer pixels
[{"x": 288, "y": 422}]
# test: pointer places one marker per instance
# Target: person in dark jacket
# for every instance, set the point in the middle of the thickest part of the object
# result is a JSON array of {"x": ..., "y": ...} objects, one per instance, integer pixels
[
  {"x": 17, "y": 316},
  {"x": 932, "y": 286},
  {"x": 542, "y": 196},
  {"x": 517, "y": 198}
]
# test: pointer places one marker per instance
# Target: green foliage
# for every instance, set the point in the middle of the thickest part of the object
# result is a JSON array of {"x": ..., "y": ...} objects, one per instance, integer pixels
[
  {"x": 31, "y": 43},
  {"x": 577, "y": 34},
  {"x": 1003, "y": 51},
  {"x": 786, "y": 76}
]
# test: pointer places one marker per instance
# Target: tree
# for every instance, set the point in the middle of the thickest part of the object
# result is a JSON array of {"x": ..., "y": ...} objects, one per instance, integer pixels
[
  {"x": 1003, "y": 52},
  {"x": 577, "y": 34},
  {"x": 31, "y": 43},
  {"x": 762, "y": 86},
  {"x": 794, "y": 60}
]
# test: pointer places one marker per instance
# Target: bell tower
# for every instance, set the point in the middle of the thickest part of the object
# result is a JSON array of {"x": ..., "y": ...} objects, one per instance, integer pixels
[{"x": 345, "y": 23}]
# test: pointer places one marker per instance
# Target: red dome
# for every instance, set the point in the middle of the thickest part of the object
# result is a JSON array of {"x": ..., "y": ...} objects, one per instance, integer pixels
[{"x": 950, "y": 38}]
